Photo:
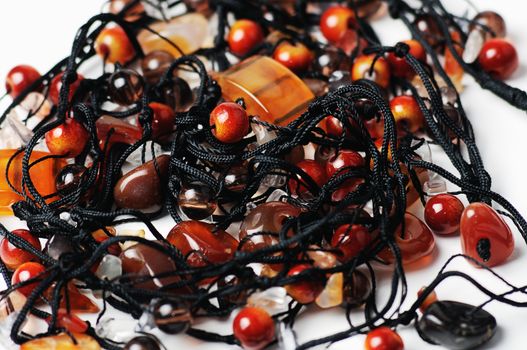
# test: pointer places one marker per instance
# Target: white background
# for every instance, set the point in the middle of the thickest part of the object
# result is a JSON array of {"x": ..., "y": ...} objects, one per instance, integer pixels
[{"x": 41, "y": 32}]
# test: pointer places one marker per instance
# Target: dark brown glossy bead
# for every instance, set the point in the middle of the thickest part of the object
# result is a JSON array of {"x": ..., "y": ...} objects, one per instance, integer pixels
[
  {"x": 443, "y": 214},
  {"x": 172, "y": 316},
  {"x": 142, "y": 342},
  {"x": 494, "y": 24},
  {"x": 155, "y": 64},
  {"x": 314, "y": 170},
  {"x": 69, "y": 178},
  {"x": 366, "y": 8},
  {"x": 430, "y": 30},
  {"x": 357, "y": 289},
  {"x": 121, "y": 132},
  {"x": 125, "y": 86},
  {"x": 197, "y": 200},
  {"x": 142, "y": 187},
  {"x": 351, "y": 240},
  {"x": 236, "y": 178},
  {"x": 177, "y": 95}
]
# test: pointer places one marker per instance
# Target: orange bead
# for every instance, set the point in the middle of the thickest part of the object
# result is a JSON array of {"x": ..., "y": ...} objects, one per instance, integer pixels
[
  {"x": 383, "y": 338},
  {"x": 305, "y": 291},
  {"x": 68, "y": 139},
  {"x": 296, "y": 57},
  {"x": 254, "y": 328},
  {"x": 407, "y": 114},
  {"x": 62, "y": 341},
  {"x": 26, "y": 272},
  {"x": 244, "y": 36},
  {"x": 20, "y": 78},
  {"x": 429, "y": 300},
  {"x": 12, "y": 256},
  {"x": 163, "y": 121},
  {"x": 381, "y": 70},
  {"x": 443, "y": 213},
  {"x": 399, "y": 66},
  {"x": 452, "y": 66},
  {"x": 56, "y": 85},
  {"x": 113, "y": 45},
  {"x": 230, "y": 122},
  {"x": 70, "y": 321},
  {"x": 335, "y": 21}
]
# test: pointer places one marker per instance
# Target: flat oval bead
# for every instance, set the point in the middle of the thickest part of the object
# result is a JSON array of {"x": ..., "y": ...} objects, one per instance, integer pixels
[
  {"x": 62, "y": 341},
  {"x": 455, "y": 325}
]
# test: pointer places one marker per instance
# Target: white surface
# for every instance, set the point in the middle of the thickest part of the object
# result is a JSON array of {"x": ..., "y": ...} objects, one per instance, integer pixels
[{"x": 40, "y": 33}]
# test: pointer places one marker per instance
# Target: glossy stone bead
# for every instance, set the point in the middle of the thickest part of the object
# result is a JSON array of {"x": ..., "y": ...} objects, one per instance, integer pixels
[
  {"x": 380, "y": 73},
  {"x": 113, "y": 45},
  {"x": 366, "y": 8},
  {"x": 485, "y": 236},
  {"x": 416, "y": 243},
  {"x": 345, "y": 159},
  {"x": 492, "y": 21},
  {"x": 28, "y": 271},
  {"x": 499, "y": 58},
  {"x": 142, "y": 187},
  {"x": 177, "y": 94},
  {"x": 407, "y": 114},
  {"x": 305, "y": 290},
  {"x": 351, "y": 240},
  {"x": 125, "y": 86},
  {"x": 69, "y": 178},
  {"x": 254, "y": 328},
  {"x": 70, "y": 321},
  {"x": 244, "y": 36},
  {"x": 155, "y": 64},
  {"x": 429, "y": 29},
  {"x": 332, "y": 294},
  {"x": 12, "y": 256},
  {"x": 20, "y": 78},
  {"x": 62, "y": 341},
  {"x": 320, "y": 258},
  {"x": 314, "y": 170},
  {"x": 443, "y": 214},
  {"x": 317, "y": 86},
  {"x": 214, "y": 245},
  {"x": 399, "y": 66},
  {"x": 267, "y": 217},
  {"x": 334, "y": 60},
  {"x": 357, "y": 289},
  {"x": 196, "y": 200},
  {"x": 78, "y": 302},
  {"x": 172, "y": 316},
  {"x": 273, "y": 300},
  {"x": 335, "y": 21},
  {"x": 236, "y": 178},
  {"x": 121, "y": 132},
  {"x": 142, "y": 342},
  {"x": 383, "y": 338},
  {"x": 456, "y": 325}
]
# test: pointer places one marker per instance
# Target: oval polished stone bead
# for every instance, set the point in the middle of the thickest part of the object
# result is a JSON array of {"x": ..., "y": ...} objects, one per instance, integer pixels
[
  {"x": 125, "y": 86},
  {"x": 62, "y": 341},
  {"x": 172, "y": 316},
  {"x": 455, "y": 325},
  {"x": 142, "y": 342},
  {"x": 155, "y": 64},
  {"x": 493, "y": 21},
  {"x": 211, "y": 244},
  {"x": 357, "y": 289},
  {"x": 142, "y": 187},
  {"x": 267, "y": 217},
  {"x": 443, "y": 213},
  {"x": 485, "y": 236},
  {"x": 196, "y": 200},
  {"x": 121, "y": 131}
]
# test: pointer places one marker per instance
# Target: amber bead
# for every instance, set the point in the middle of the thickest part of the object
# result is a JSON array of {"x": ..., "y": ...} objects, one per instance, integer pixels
[
  {"x": 19, "y": 78},
  {"x": 155, "y": 64},
  {"x": 351, "y": 240},
  {"x": 113, "y": 45},
  {"x": 335, "y": 21},
  {"x": 380, "y": 73},
  {"x": 305, "y": 290},
  {"x": 142, "y": 342},
  {"x": 177, "y": 94},
  {"x": 383, "y": 338},
  {"x": 125, "y": 86},
  {"x": 452, "y": 67},
  {"x": 399, "y": 66},
  {"x": 429, "y": 300},
  {"x": 71, "y": 322},
  {"x": 68, "y": 139},
  {"x": 407, "y": 114},
  {"x": 314, "y": 170},
  {"x": 230, "y": 122},
  {"x": 56, "y": 85},
  {"x": 429, "y": 29},
  {"x": 12, "y": 256},
  {"x": 172, "y": 316},
  {"x": 69, "y": 178},
  {"x": 499, "y": 58},
  {"x": 443, "y": 214},
  {"x": 121, "y": 132},
  {"x": 62, "y": 341},
  {"x": 244, "y": 36},
  {"x": 296, "y": 57},
  {"x": 202, "y": 243},
  {"x": 254, "y": 328},
  {"x": 494, "y": 24},
  {"x": 76, "y": 302},
  {"x": 196, "y": 200},
  {"x": 26, "y": 272},
  {"x": 357, "y": 289},
  {"x": 415, "y": 243},
  {"x": 142, "y": 187},
  {"x": 485, "y": 236}
]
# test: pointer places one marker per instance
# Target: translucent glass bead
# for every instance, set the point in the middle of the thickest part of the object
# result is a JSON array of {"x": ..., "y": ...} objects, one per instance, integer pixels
[
  {"x": 493, "y": 21},
  {"x": 125, "y": 86},
  {"x": 155, "y": 64},
  {"x": 274, "y": 300},
  {"x": 109, "y": 268},
  {"x": 177, "y": 94},
  {"x": 196, "y": 200},
  {"x": 172, "y": 316}
]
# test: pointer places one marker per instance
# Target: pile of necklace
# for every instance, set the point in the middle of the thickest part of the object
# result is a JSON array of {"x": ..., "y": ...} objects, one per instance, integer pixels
[{"x": 288, "y": 149}]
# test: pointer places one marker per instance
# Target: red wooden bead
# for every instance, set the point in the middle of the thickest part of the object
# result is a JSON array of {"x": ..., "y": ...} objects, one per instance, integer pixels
[
  {"x": 12, "y": 256},
  {"x": 351, "y": 240},
  {"x": 67, "y": 139},
  {"x": 244, "y": 36},
  {"x": 345, "y": 159},
  {"x": 383, "y": 338},
  {"x": 305, "y": 291},
  {"x": 399, "y": 66},
  {"x": 230, "y": 122},
  {"x": 71, "y": 322},
  {"x": 113, "y": 45},
  {"x": 214, "y": 245},
  {"x": 335, "y": 21},
  {"x": 20, "y": 78},
  {"x": 381, "y": 70},
  {"x": 296, "y": 57},
  {"x": 313, "y": 170},
  {"x": 25, "y": 272},
  {"x": 443, "y": 213},
  {"x": 499, "y": 58},
  {"x": 56, "y": 85},
  {"x": 485, "y": 236},
  {"x": 163, "y": 121},
  {"x": 254, "y": 328},
  {"x": 408, "y": 116}
]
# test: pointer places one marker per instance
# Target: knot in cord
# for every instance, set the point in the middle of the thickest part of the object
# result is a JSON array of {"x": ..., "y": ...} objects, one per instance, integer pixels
[{"x": 401, "y": 49}]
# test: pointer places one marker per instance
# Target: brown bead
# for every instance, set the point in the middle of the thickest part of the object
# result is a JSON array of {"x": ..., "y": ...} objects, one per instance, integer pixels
[
  {"x": 125, "y": 86},
  {"x": 196, "y": 200},
  {"x": 357, "y": 289},
  {"x": 492, "y": 24},
  {"x": 69, "y": 178},
  {"x": 201, "y": 6},
  {"x": 430, "y": 30},
  {"x": 366, "y": 8},
  {"x": 178, "y": 95},
  {"x": 172, "y": 316},
  {"x": 155, "y": 64},
  {"x": 142, "y": 187},
  {"x": 236, "y": 178}
]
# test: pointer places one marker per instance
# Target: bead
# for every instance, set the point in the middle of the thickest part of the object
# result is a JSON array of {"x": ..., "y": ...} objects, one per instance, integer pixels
[
  {"x": 244, "y": 36},
  {"x": 351, "y": 240},
  {"x": 155, "y": 64},
  {"x": 262, "y": 83},
  {"x": 177, "y": 94},
  {"x": 196, "y": 200},
  {"x": 113, "y": 45},
  {"x": 254, "y": 328},
  {"x": 333, "y": 60},
  {"x": 351, "y": 42},
  {"x": 213, "y": 245},
  {"x": 473, "y": 45},
  {"x": 130, "y": 233},
  {"x": 332, "y": 295},
  {"x": 68, "y": 139},
  {"x": 345, "y": 159},
  {"x": 380, "y": 74},
  {"x": 366, "y": 8},
  {"x": 317, "y": 86},
  {"x": 338, "y": 79},
  {"x": 142, "y": 342},
  {"x": 125, "y": 86},
  {"x": 489, "y": 20},
  {"x": 316, "y": 173},
  {"x": 455, "y": 325},
  {"x": 296, "y": 57},
  {"x": 109, "y": 268},
  {"x": 415, "y": 244},
  {"x": 78, "y": 303},
  {"x": 273, "y": 300},
  {"x": 429, "y": 300},
  {"x": 383, "y": 338},
  {"x": 70, "y": 322},
  {"x": 485, "y": 236},
  {"x": 452, "y": 67},
  {"x": 429, "y": 29},
  {"x": 26, "y": 272},
  {"x": 357, "y": 289},
  {"x": 499, "y": 58},
  {"x": 142, "y": 187},
  {"x": 335, "y": 21},
  {"x": 443, "y": 214},
  {"x": 162, "y": 121},
  {"x": 236, "y": 178},
  {"x": 230, "y": 122},
  {"x": 398, "y": 65},
  {"x": 19, "y": 78},
  {"x": 121, "y": 132},
  {"x": 132, "y": 13},
  {"x": 11, "y": 304},
  {"x": 307, "y": 289},
  {"x": 172, "y": 316},
  {"x": 56, "y": 85},
  {"x": 407, "y": 114},
  {"x": 69, "y": 178},
  {"x": 230, "y": 298},
  {"x": 201, "y": 6},
  {"x": 12, "y": 256},
  {"x": 321, "y": 259},
  {"x": 62, "y": 341}
]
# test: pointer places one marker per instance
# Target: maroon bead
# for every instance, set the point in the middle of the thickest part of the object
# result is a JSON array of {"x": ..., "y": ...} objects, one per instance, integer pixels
[
  {"x": 492, "y": 21},
  {"x": 443, "y": 214}
]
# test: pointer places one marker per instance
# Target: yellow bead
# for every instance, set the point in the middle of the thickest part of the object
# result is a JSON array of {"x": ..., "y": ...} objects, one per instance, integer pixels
[{"x": 331, "y": 296}]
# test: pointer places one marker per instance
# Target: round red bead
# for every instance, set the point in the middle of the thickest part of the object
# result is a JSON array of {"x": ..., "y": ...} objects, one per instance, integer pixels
[
  {"x": 26, "y": 272},
  {"x": 443, "y": 214},
  {"x": 383, "y": 338},
  {"x": 351, "y": 240},
  {"x": 244, "y": 36},
  {"x": 254, "y": 328},
  {"x": 399, "y": 66},
  {"x": 12, "y": 256},
  {"x": 345, "y": 159},
  {"x": 20, "y": 78},
  {"x": 306, "y": 290},
  {"x": 312, "y": 169},
  {"x": 499, "y": 58},
  {"x": 296, "y": 57},
  {"x": 162, "y": 121},
  {"x": 67, "y": 139},
  {"x": 335, "y": 21},
  {"x": 407, "y": 114},
  {"x": 230, "y": 122},
  {"x": 56, "y": 85}
]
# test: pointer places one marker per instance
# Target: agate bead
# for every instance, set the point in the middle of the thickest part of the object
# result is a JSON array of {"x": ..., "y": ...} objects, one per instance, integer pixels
[
  {"x": 494, "y": 24},
  {"x": 142, "y": 342},
  {"x": 26, "y": 272},
  {"x": 407, "y": 114},
  {"x": 357, "y": 289},
  {"x": 398, "y": 65},
  {"x": 19, "y": 78},
  {"x": 305, "y": 290},
  {"x": 335, "y": 21},
  {"x": 113, "y": 45},
  {"x": 316, "y": 173},
  {"x": 56, "y": 85},
  {"x": 125, "y": 86},
  {"x": 380, "y": 73},
  {"x": 351, "y": 240},
  {"x": 254, "y": 328},
  {"x": 244, "y": 36},
  {"x": 155, "y": 64},
  {"x": 62, "y": 341},
  {"x": 443, "y": 214},
  {"x": 12, "y": 256},
  {"x": 172, "y": 316},
  {"x": 69, "y": 178},
  {"x": 430, "y": 30},
  {"x": 296, "y": 57},
  {"x": 383, "y": 338},
  {"x": 68, "y": 139},
  {"x": 499, "y": 58},
  {"x": 196, "y": 200}
]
